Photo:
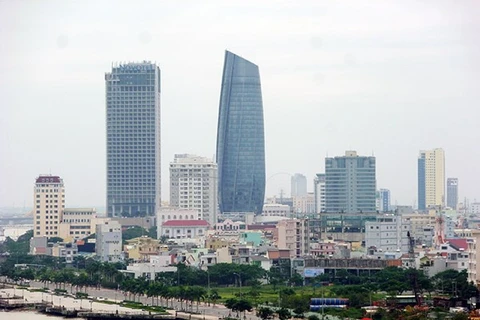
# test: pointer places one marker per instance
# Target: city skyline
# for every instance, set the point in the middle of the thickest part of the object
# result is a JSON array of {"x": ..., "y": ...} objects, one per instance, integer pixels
[{"x": 336, "y": 77}]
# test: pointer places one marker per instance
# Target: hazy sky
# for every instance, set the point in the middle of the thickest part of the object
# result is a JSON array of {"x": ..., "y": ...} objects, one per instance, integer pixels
[{"x": 382, "y": 77}]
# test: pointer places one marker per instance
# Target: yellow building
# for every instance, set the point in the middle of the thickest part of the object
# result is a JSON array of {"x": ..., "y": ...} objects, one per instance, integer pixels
[
  {"x": 141, "y": 248},
  {"x": 214, "y": 243},
  {"x": 431, "y": 179}
]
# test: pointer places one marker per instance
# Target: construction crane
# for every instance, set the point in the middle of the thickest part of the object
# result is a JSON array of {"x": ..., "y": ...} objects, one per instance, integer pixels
[{"x": 413, "y": 273}]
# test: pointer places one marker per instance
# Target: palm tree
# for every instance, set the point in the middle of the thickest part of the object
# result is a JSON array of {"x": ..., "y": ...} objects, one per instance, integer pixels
[{"x": 214, "y": 296}]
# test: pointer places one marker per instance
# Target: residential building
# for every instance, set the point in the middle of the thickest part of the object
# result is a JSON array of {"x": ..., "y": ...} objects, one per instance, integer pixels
[
  {"x": 77, "y": 223},
  {"x": 273, "y": 212},
  {"x": 431, "y": 179},
  {"x": 452, "y": 193},
  {"x": 49, "y": 202},
  {"x": 389, "y": 233},
  {"x": 475, "y": 208},
  {"x": 133, "y": 139},
  {"x": 240, "y": 138},
  {"x": 384, "y": 200},
  {"x": 350, "y": 184},
  {"x": 193, "y": 185},
  {"x": 298, "y": 185},
  {"x": 422, "y": 227},
  {"x": 108, "y": 239},
  {"x": 304, "y": 204},
  {"x": 41, "y": 246},
  {"x": 293, "y": 234},
  {"x": 319, "y": 186},
  {"x": 183, "y": 229},
  {"x": 142, "y": 248}
]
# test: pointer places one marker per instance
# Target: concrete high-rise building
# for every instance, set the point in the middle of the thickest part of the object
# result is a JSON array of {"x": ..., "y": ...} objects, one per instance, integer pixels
[
  {"x": 452, "y": 193},
  {"x": 193, "y": 185},
  {"x": 350, "y": 183},
  {"x": 49, "y": 202},
  {"x": 319, "y": 188},
  {"x": 299, "y": 185},
  {"x": 133, "y": 139},
  {"x": 431, "y": 179},
  {"x": 108, "y": 241},
  {"x": 384, "y": 200},
  {"x": 240, "y": 138}
]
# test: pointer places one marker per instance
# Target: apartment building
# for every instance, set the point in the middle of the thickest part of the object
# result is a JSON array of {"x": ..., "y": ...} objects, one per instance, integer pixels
[{"x": 49, "y": 202}]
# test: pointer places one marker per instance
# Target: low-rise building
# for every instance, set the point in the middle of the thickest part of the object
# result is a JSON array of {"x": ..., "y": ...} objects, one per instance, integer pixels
[
  {"x": 181, "y": 229},
  {"x": 140, "y": 249},
  {"x": 149, "y": 270},
  {"x": 229, "y": 227},
  {"x": 108, "y": 247}
]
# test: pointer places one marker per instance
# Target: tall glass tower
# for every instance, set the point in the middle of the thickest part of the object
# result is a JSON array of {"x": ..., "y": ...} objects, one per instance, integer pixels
[
  {"x": 240, "y": 138},
  {"x": 133, "y": 139}
]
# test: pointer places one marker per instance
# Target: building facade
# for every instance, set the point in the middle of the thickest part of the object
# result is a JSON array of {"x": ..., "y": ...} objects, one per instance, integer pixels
[
  {"x": 350, "y": 183},
  {"x": 304, "y": 204},
  {"x": 452, "y": 193},
  {"x": 293, "y": 234},
  {"x": 389, "y": 233},
  {"x": 384, "y": 200},
  {"x": 49, "y": 203},
  {"x": 298, "y": 185},
  {"x": 77, "y": 223},
  {"x": 431, "y": 179},
  {"x": 240, "y": 138},
  {"x": 133, "y": 139},
  {"x": 319, "y": 187},
  {"x": 108, "y": 241},
  {"x": 183, "y": 229},
  {"x": 193, "y": 185}
]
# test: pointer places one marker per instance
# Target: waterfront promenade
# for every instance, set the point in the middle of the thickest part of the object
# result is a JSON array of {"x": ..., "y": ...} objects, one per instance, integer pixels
[{"x": 177, "y": 309}]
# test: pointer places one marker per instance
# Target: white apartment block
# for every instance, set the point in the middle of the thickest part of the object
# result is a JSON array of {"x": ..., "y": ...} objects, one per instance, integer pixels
[
  {"x": 422, "y": 226},
  {"x": 319, "y": 186},
  {"x": 293, "y": 234},
  {"x": 108, "y": 243},
  {"x": 49, "y": 202},
  {"x": 193, "y": 185},
  {"x": 389, "y": 233}
]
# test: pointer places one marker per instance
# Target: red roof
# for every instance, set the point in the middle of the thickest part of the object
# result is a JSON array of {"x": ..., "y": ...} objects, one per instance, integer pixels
[
  {"x": 459, "y": 243},
  {"x": 185, "y": 223},
  {"x": 48, "y": 179}
]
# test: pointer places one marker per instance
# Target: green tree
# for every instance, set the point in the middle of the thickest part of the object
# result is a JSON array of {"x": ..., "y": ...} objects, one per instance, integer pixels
[
  {"x": 283, "y": 314},
  {"x": 265, "y": 313}
]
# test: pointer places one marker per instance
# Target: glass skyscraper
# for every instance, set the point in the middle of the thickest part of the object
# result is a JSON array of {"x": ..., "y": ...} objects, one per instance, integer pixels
[
  {"x": 240, "y": 138},
  {"x": 133, "y": 139}
]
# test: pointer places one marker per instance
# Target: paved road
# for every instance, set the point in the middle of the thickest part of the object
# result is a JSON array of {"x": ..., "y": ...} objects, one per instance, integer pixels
[{"x": 118, "y": 295}]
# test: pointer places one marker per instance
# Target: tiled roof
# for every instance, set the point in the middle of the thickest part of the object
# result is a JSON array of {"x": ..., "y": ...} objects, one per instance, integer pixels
[
  {"x": 458, "y": 243},
  {"x": 48, "y": 179},
  {"x": 185, "y": 223}
]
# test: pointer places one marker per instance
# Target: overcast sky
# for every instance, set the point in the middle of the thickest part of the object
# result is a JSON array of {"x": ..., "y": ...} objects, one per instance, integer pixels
[{"x": 382, "y": 77}]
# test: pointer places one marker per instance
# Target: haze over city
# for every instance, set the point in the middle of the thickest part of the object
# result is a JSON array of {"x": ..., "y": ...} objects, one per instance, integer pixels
[{"x": 387, "y": 79}]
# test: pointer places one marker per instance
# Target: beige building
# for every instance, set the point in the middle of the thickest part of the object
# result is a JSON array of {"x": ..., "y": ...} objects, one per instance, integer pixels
[
  {"x": 304, "y": 204},
  {"x": 293, "y": 235},
  {"x": 433, "y": 164},
  {"x": 140, "y": 249},
  {"x": 473, "y": 251},
  {"x": 78, "y": 223},
  {"x": 49, "y": 202}
]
